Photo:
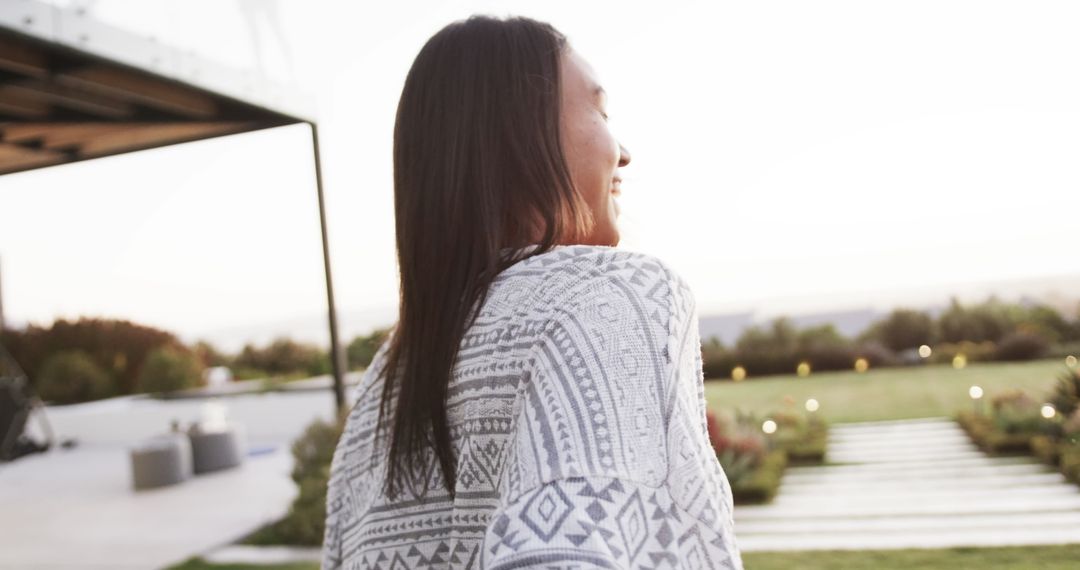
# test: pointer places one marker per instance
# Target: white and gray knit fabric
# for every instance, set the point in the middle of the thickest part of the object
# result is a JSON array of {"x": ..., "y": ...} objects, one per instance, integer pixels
[{"x": 577, "y": 412}]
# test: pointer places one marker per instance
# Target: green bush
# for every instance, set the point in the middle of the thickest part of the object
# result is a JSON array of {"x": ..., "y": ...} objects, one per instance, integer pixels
[
  {"x": 738, "y": 442},
  {"x": 117, "y": 347},
  {"x": 1017, "y": 413},
  {"x": 986, "y": 436},
  {"x": 305, "y": 523},
  {"x": 283, "y": 356},
  {"x": 1046, "y": 448},
  {"x": 990, "y": 320},
  {"x": 903, "y": 329},
  {"x": 762, "y": 485},
  {"x": 1021, "y": 345},
  {"x": 72, "y": 376},
  {"x": 803, "y": 438},
  {"x": 168, "y": 369},
  {"x": 362, "y": 349},
  {"x": 973, "y": 351},
  {"x": 1066, "y": 395},
  {"x": 1070, "y": 462}
]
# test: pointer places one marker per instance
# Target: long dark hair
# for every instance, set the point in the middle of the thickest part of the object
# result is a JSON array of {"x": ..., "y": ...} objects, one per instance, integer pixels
[{"x": 478, "y": 169}]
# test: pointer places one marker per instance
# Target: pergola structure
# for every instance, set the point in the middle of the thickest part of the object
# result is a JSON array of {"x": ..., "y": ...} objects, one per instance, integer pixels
[{"x": 73, "y": 89}]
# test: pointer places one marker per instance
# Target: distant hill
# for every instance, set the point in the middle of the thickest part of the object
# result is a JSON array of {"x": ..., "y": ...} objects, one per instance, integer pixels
[{"x": 851, "y": 314}]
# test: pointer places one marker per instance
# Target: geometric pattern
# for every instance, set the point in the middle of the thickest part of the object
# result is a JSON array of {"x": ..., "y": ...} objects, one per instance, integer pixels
[{"x": 577, "y": 414}]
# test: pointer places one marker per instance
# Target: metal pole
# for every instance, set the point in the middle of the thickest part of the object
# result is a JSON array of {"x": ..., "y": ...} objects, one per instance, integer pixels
[{"x": 337, "y": 360}]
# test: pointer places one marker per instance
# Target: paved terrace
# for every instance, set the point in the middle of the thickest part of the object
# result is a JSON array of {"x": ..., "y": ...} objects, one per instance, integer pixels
[{"x": 76, "y": 508}]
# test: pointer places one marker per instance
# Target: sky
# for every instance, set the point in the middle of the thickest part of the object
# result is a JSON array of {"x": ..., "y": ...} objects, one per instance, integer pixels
[{"x": 787, "y": 156}]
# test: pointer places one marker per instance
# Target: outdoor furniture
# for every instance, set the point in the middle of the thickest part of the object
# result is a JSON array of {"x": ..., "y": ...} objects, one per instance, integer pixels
[
  {"x": 161, "y": 461},
  {"x": 217, "y": 449}
]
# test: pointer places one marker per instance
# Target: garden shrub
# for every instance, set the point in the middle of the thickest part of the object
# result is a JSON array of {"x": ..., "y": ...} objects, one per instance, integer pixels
[
  {"x": 763, "y": 484},
  {"x": 754, "y": 463},
  {"x": 362, "y": 349},
  {"x": 973, "y": 351},
  {"x": 803, "y": 438},
  {"x": 1046, "y": 448},
  {"x": 72, "y": 376},
  {"x": 305, "y": 523},
  {"x": 1070, "y": 429},
  {"x": 1017, "y": 413},
  {"x": 903, "y": 329},
  {"x": 117, "y": 347},
  {"x": 284, "y": 356},
  {"x": 1066, "y": 395},
  {"x": 1021, "y": 345},
  {"x": 740, "y": 447},
  {"x": 168, "y": 369},
  {"x": 1069, "y": 449},
  {"x": 876, "y": 354},
  {"x": 990, "y": 320}
]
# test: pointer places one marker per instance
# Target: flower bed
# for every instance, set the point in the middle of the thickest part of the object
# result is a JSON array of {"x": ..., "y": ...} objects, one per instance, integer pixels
[
  {"x": 754, "y": 461},
  {"x": 1019, "y": 424}
]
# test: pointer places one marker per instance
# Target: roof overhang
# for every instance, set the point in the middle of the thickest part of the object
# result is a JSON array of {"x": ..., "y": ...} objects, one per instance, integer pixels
[{"x": 72, "y": 89}]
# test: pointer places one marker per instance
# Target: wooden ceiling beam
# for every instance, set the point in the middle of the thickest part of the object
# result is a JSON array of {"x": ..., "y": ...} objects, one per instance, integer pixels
[
  {"x": 21, "y": 58},
  {"x": 128, "y": 86},
  {"x": 69, "y": 98},
  {"x": 14, "y": 158},
  {"x": 22, "y": 106},
  {"x": 155, "y": 135},
  {"x": 59, "y": 134}
]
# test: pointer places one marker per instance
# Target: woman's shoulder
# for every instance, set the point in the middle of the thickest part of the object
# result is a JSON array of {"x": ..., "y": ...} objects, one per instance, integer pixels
[{"x": 573, "y": 270}]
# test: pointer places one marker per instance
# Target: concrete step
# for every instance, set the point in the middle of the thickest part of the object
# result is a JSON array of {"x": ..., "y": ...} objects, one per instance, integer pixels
[
  {"x": 930, "y": 538},
  {"x": 911, "y": 423},
  {"x": 924, "y": 434},
  {"x": 899, "y": 456},
  {"x": 956, "y": 499},
  {"x": 987, "y": 479},
  {"x": 990, "y": 522},
  {"x": 904, "y": 472},
  {"x": 1004, "y": 504},
  {"x": 960, "y": 444}
]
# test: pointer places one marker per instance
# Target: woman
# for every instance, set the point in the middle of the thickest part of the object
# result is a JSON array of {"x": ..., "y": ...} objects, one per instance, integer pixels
[{"x": 546, "y": 406}]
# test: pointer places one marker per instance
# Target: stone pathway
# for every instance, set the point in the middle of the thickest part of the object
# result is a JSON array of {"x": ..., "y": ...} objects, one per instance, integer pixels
[{"x": 912, "y": 484}]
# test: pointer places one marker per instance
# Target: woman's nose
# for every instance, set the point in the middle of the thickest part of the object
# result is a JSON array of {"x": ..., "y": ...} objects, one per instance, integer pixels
[{"x": 624, "y": 156}]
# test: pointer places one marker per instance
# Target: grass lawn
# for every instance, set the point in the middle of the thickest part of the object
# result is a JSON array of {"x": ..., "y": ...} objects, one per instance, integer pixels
[
  {"x": 886, "y": 393},
  {"x": 1011, "y": 558}
]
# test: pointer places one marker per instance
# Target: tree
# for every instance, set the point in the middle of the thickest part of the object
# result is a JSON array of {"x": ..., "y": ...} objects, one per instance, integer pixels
[
  {"x": 72, "y": 376},
  {"x": 168, "y": 369},
  {"x": 362, "y": 349},
  {"x": 903, "y": 329}
]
